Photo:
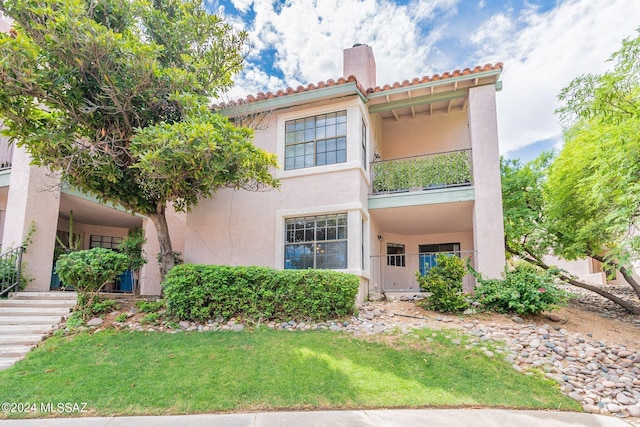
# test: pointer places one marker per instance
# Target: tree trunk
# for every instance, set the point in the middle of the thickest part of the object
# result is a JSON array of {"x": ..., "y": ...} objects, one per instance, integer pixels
[
  {"x": 165, "y": 258},
  {"x": 622, "y": 303},
  {"x": 625, "y": 273}
]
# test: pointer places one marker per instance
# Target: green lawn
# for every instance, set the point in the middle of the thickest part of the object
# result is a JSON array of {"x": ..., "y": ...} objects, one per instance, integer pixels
[{"x": 159, "y": 373}]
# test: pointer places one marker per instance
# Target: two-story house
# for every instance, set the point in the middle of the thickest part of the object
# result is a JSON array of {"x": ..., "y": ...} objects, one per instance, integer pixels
[{"x": 375, "y": 180}]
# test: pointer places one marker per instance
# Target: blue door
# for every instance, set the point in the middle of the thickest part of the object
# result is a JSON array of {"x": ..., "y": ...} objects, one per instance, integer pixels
[{"x": 426, "y": 262}]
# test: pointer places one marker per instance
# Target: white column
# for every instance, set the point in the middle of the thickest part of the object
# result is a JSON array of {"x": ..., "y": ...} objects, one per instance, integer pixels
[
  {"x": 34, "y": 198},
  {"x": 488, "y": 227}
]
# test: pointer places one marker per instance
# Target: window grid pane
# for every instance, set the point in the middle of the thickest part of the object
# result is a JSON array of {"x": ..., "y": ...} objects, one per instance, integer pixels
[
  {"x": 325, "y": 242},
  {"x": 316, "y": 141}
]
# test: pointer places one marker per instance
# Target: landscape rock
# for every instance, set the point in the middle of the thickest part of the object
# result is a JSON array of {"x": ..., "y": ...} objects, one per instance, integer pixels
[{"x": 96, "y": 321}]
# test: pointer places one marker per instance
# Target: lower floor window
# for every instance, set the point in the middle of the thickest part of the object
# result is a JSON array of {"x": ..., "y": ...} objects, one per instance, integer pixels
[{"x": 316, "y": 242}]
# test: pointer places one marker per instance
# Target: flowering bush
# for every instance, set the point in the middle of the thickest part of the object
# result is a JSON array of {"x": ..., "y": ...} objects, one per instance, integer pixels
[{"x": 524, "y": 290}]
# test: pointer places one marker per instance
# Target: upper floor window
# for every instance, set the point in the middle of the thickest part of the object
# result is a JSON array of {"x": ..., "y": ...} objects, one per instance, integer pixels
[{"x": 316, "y": 141}]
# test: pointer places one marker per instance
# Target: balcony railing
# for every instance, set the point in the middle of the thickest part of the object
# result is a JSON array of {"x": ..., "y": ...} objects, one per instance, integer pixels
[
  {"x": 6, "y": 153},
  {"x": 397, "y": 273},
  {"x": 419, "y": 173}
]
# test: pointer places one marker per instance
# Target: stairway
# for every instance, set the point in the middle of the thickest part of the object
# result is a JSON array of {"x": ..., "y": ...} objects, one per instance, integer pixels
[{"x": 26, "y": 318}]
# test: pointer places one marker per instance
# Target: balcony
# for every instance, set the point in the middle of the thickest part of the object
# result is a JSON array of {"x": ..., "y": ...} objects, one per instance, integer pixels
[
  {"x": 422, "y": 173},
  {"x": 6, "y": 153}
]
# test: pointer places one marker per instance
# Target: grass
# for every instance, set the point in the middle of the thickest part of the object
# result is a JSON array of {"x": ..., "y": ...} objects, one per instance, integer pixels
[{"x": 118, "y": 373}]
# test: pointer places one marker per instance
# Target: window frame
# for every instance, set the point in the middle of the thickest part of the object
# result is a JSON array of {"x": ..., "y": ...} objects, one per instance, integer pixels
[
  {"x": 317, "y": 238},
  {"x": 396, "y": 259},
  {"x": 303, "y": 140}
]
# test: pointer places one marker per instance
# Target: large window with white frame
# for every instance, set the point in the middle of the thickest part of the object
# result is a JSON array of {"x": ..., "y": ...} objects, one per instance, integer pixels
[
  {"x": 316, "y": 242},
  {"x": 316, "y": 141}
]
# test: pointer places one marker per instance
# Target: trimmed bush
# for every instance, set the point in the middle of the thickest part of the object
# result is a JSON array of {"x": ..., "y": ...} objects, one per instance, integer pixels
[
  {"x": 88, "y": 271},
  {"x": 201, "y": 292},
  {"x": 525, "y": 289},
  {"x": 444, "y": 283}
]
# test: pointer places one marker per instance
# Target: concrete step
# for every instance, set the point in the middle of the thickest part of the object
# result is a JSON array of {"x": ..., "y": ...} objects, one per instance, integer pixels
[
  {"x": 14, "y": 350},
  {"x": 37, "y": 303},
  {"x": 22, "y": 295},
  {"x": 30, "y": 320},
  {"x": 34, "y": 311},
  {"x": 7, "y": 362},
  {"x": 24, "y": 329},
  {"x": 20, "y": 339}
]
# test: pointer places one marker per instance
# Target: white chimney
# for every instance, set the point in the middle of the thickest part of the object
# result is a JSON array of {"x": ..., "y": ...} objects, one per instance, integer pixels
[{"x": 359, "y": 62}]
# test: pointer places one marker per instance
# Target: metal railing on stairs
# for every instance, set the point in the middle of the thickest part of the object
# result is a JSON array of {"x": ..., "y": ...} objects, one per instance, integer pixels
[{"x": 10, "y": 270}]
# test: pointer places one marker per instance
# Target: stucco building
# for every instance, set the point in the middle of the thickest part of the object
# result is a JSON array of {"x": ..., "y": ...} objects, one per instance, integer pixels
[{"x": 374, "y": 181}]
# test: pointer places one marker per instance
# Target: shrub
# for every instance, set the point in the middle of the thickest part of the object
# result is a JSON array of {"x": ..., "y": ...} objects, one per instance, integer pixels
[
  {"x": 200, "y": 292},
  {"x": 121, "y": 318},
  {"x": 150, "y": 318},
  {"x": 525, "y": 289},
  {"x": 87, "y": 271},
  {"x": 444, "y": 283},
  {"x": 102, "y": 306},
  {"x": 149, "y": 306}
]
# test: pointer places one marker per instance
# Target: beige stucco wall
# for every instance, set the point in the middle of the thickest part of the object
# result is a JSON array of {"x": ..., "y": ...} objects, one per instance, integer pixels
[
  {"x": 87, "y": 230},
  {"x": 487, "y": 212},
  {"x": 247, "y": 228},
  {"x": 425, "y": 134},
  {"x": 33, "y": 198}
]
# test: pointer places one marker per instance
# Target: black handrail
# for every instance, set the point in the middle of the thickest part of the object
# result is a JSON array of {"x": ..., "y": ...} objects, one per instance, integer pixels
[{"x": 10, "y": 270}]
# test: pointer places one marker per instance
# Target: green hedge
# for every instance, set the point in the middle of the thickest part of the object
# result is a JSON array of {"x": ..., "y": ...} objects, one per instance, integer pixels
[{"x": 201, "y": 292}]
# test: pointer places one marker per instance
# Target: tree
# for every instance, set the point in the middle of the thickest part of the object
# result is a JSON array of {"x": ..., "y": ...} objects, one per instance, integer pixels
[
  {"x": 113, "y": 95},
  {"x": 593, "y": 188},
  {"x": 530, "y": 232}
]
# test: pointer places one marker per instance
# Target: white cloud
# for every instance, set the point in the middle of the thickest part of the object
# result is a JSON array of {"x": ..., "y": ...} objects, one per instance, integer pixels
[
  {"x": 548, "y": 51},
  {"x": 309, "y": 37},
  {"x": 541, "y": 52}
]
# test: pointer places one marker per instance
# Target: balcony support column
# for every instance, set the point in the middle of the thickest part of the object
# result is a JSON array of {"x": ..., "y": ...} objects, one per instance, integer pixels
[
  {"x": 488, "y": 226},
  {"x": 34, "y": 198}
]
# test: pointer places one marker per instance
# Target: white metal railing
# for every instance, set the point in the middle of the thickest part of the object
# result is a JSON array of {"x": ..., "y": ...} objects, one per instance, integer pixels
[{"x": 397, "y": 273}]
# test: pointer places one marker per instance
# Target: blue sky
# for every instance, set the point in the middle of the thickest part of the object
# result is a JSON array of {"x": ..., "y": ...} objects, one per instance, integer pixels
[{"x": 543, "y": 44}]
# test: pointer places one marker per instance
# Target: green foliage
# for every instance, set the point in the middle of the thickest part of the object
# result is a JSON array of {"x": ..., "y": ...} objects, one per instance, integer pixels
[
  {"x": 201, "y": 292},
  {"x": 526, "y": 225},
  {"x": 150, "y": 306},
  {"x": 433, "y": 171},
  {"x": 444, "y": 283},
  {"x": 102, "y": 306},
  {"x": 132, "y": 248},
  {"x": 121, "y": 318},
  {"x": 75, "y": 320},
  {"x": 151, "y": 319},
  {"x": 114, "y": 96},
  {"x": 524, "y": 289},
  {"x": 594, "y": 184},
  {"x": 87, "y": 271}
]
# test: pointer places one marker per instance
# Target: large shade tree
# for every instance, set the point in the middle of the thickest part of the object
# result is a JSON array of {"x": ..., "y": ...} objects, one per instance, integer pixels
[
  {"x": 113, "y": 95},
  {"x": 594, "y": 184},
  {"x": 586, "y": 201},
  {"x": 531, "y": 233}
]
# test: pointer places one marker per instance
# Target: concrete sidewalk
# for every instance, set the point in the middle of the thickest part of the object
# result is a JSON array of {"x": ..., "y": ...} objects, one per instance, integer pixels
[{"x": 360, "y": 418}]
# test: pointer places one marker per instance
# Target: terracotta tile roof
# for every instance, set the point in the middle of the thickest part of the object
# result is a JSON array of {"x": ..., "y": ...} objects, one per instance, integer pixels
[
  {"x": 260, "y": 96},
  {"x": 436, "y": 77}
]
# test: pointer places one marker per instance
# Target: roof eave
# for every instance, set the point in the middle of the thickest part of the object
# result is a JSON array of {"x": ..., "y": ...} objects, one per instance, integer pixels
[{"x": 295, "y": 99}]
